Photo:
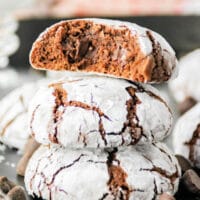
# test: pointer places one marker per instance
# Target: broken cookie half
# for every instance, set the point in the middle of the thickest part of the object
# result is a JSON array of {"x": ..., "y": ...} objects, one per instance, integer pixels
[{"x": 115, "y": 48}]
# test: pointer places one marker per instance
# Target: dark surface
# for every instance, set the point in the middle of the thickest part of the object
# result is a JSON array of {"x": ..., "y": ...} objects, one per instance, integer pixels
[
  {"x": 182, "y": 32},
  {"x": 7, "y": 167}
]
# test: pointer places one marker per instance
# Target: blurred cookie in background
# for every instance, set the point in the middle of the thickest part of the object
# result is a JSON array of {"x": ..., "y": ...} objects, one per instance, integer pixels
[
  {"x": 186, "y": 87},
  {"x": 186, "y": 136},
  {"x": 13, "y": 115}
]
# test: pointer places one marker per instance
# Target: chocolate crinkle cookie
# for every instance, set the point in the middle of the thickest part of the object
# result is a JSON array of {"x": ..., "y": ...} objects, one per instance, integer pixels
[
  {"x": 186, "y": 136},
  {"x": 100, "y": 127},
  {"x": 98, "y": 112},
  {"x": 185, "y": 88},
  {"x": 14, "y": 113},
  {"x": 109, "y": 47},
  {"x": 142, "y": 172}
]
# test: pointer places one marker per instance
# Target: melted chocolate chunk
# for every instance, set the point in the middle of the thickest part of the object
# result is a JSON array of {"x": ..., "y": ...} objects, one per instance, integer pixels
[{"x": 117, "y": 184}]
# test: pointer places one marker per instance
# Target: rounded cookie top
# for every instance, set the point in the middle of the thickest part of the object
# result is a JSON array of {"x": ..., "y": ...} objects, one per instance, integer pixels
[
  {"x": 109, "y": 47},
  {"x": 140, "y": 172},
  {"x": 14, "y": 114},
  {"x": 185, "y": 87},
  {"x": 95, "y": 112},
  {"x": 186, "y": 135}
]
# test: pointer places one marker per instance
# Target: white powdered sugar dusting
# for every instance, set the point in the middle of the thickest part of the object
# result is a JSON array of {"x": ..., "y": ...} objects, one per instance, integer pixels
[{"x": 98, "y": 101}]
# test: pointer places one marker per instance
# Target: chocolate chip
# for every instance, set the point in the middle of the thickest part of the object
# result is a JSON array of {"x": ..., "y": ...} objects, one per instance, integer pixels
[
  {"x": 184, "y": 163},
  {"x": 166, "y": 196},
  {"x": 188, "y": 103},
  {"x": 17, "y": 193},
  {"x": 82, "y": 48},
  {"x": 192, "y": 181},
  {"x": 4, "y": 187},
  {"x": 5, "y": 184}
]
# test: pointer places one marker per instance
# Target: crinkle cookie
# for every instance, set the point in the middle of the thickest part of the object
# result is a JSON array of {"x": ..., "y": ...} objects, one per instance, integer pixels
[
  {"x": 135, "y": 173},
  {"x": 115, "y": 48},
  {"x": 98, "y": 112},
  {"x": 13, "y": 115},
  {"x": 186, "y": 87},
  {"x": 186, "y": 135}
]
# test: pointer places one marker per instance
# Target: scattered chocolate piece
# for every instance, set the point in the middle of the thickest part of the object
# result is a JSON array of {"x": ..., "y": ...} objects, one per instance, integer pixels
[
  {"x": 30, "y": 148},
  {"x": 5, "y": 184},
  {"x": 11, "y": 191},
  {"x": 192, "y": 181},
  {"x": 17, "y": 193},
  {"x": 166, "y": 196},
  {"x": 188, "y": 103},
  {"x": 184, "y": 163}
]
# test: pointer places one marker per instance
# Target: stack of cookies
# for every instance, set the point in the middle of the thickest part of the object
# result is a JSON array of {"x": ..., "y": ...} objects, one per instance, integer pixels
[{"x": 100, "y": 128}]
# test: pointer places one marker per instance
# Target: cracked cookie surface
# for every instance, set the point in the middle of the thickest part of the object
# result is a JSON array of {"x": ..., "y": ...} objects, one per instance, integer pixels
[
  {"x": 185, "y": 88},
  {"x": 98, "y": 112},
  {"x": 110, "y": 47},
  {"x": 143, "y": 172},
  {"x": 186, "y": 135},
  {"x": 14, "y": 114}
]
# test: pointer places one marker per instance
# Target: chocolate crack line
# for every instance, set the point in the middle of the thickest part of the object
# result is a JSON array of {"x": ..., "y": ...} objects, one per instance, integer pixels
[
  {"x": 174, "y": 175},
  {"x": 133, "y": 190},
  {"x": 163, "y": 173},
  {"x": 132, "y": 121},
  {"x": 192, "y": 143},
  {"x": 6, "y": 126},
  {"x": 82, "y": 138},
  {"x": 156, "y": 50},
  {"x": 57, "y": 172},
  {"x": 61, "y": 100},
  {"x": 140, "y": 89},
  {"x": 64, "y": 167},
  {"x": 117, "y": 177},
  {"x": 165, "y": 153},
  {"x": 32, "y": 119},
  {"x": 92, "y": 108},
  {"x": 104, "y": 196},
  {"x": 136, "y": 130},
  {"x": 38, "y": 163},
  {"x": 155, "y": 189}
]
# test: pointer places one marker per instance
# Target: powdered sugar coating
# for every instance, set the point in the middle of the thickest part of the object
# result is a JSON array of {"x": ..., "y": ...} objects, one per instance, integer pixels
[
  {"x": 186, "y": 140},
  {"x": 144, "y": 172},
  {"x": 187, "y": 82},
  {"x": 98, "y": 112},
  {"x": 13, "y": 115}
]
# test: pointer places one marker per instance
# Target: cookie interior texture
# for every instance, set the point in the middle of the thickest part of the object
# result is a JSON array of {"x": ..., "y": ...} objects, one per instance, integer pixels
[{"x": 83, "y": 45}]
